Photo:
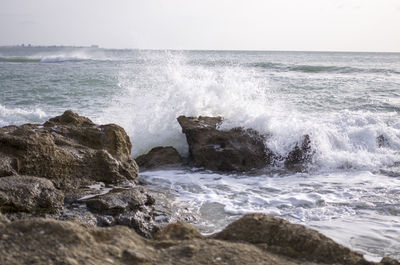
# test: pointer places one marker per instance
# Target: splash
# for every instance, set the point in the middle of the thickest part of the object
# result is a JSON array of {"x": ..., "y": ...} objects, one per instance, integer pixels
[{"x": 151, "y": 98}]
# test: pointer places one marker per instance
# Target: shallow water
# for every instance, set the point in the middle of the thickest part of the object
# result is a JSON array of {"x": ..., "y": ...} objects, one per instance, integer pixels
[
  {"x": 356, "y": 208},
  {"x": 346, "y": 102}
]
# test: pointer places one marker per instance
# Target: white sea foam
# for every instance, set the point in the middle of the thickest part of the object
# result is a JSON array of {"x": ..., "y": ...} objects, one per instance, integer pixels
[{"x": 18, "y": 115}]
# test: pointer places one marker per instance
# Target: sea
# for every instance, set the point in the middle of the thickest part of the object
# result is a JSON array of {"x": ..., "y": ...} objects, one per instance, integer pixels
[{"x": 347, "y": 102}]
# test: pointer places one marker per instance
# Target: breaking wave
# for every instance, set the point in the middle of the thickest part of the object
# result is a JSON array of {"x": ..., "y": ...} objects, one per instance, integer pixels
[
  {"x": 147, "y": 108},
  {"x": 18, "y": 115}
]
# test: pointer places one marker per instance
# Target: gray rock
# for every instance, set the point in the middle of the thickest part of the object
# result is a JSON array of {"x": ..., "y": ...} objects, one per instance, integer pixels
[
  {"x": 29, "y": 194},
  {"x": 133, "y": 208}
]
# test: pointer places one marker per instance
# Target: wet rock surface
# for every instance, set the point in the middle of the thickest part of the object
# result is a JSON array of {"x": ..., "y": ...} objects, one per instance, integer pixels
[
  {"x": 43, "y": 241},
  {"x": 132, "y": 207},
  {"x": 224, "y": 150},
  {"x": 159, "y": 157},
  {"x": 29, "y": 194},
  {"x": 115, "y": 203},
  {"x": 300, "y": 156},
  {"x": 3, "y": 219}
]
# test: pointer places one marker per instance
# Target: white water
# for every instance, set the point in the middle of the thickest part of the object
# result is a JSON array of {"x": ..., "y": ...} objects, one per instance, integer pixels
[
  {"x": 358, "y": 209},
  {"x": 10, "y": 116},
  {"x": 342, "y": 139}
]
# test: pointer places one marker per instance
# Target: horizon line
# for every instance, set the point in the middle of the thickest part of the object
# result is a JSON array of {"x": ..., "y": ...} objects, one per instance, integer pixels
[{"x": 195, "y": 49}]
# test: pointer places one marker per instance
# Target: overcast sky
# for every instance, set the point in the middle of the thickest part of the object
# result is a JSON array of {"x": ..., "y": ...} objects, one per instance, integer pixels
[{"x": 329, "y": 25}]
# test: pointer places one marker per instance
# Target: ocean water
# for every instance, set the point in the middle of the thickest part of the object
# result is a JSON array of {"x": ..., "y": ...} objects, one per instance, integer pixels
[{"x": 344, "y": 101}]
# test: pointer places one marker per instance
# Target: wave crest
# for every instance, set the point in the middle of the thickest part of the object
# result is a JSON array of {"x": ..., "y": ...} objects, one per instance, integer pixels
[{"x": 18, "y": 116}]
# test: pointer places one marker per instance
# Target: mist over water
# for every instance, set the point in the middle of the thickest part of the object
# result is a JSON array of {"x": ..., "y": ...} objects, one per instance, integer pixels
[{"x": 345, "y": 102}]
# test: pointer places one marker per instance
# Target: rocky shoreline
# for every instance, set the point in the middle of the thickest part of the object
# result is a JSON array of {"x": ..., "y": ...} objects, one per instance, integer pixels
[{"x": 70, "y": 194}]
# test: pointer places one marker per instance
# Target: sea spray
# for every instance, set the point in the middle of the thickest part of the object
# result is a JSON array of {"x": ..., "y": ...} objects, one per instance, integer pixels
[
  {"x": 147, "y": 108},
  {"x": 18, "y": 116}
]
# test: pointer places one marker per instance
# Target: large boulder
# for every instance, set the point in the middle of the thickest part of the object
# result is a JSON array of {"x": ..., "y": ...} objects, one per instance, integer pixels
[
  {"x": 70, "y": 150},
  {"x": 224, "y": 150},
  {"x": 282, "y": 237},
  {"x": 29, "y": 194},
  {"x": 159, "y": 157}
]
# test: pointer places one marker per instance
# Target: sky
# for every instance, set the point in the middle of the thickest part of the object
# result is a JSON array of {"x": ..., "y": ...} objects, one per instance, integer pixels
[{"x": 306, "y": 25}]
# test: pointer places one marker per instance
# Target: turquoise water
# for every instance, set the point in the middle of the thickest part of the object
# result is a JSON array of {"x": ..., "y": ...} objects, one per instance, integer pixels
[{"x": 344, "y": 101}]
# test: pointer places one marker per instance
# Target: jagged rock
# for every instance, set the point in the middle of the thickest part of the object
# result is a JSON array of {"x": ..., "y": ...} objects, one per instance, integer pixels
[
  {"x": 109, "y": 205},
  {"x": 302, "y": 154},
  {"x": 178, "y": 231},
  {"x": 115, "y": 203},
  {"x": 159, "y": 157},
  {"x": 70, "y": 150},
  {"x": 133, "y": 208},
  {"x": 29, "y": 194},
  {"x": 224, "y": 150},
  {"x": 296, "y": 241},
  {"x": 41, "y": 241}
]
